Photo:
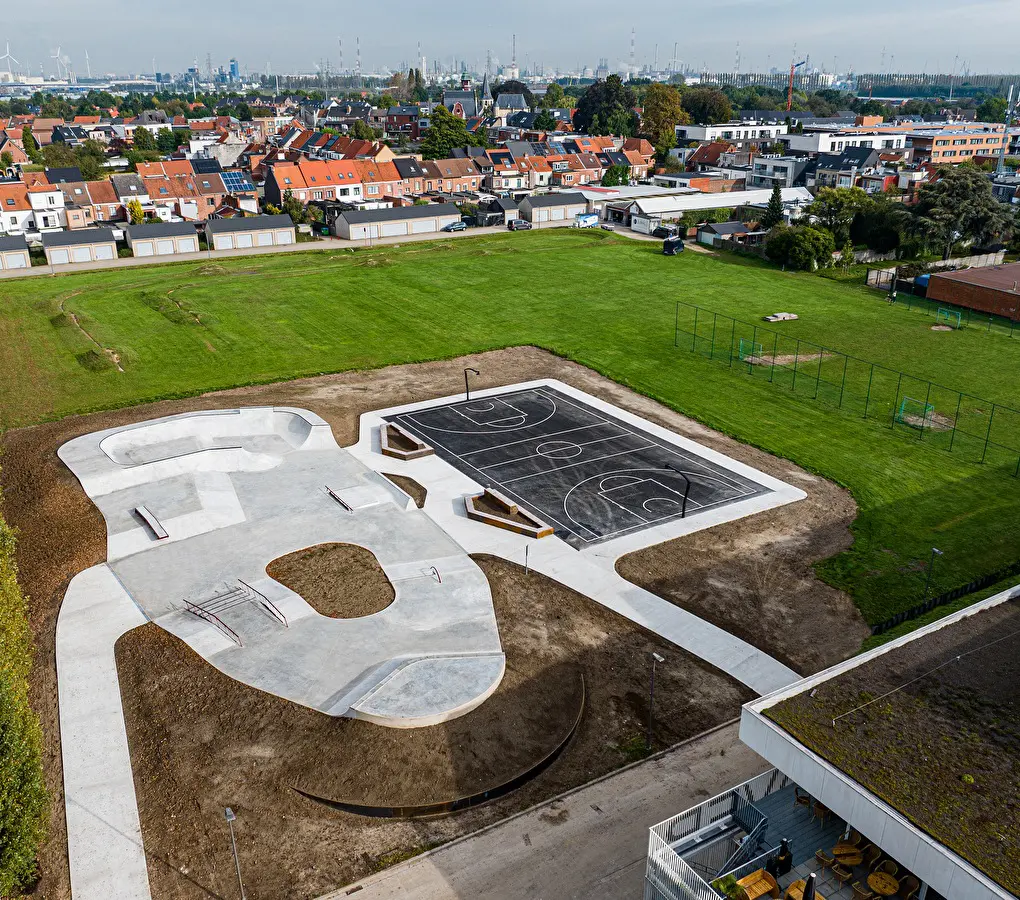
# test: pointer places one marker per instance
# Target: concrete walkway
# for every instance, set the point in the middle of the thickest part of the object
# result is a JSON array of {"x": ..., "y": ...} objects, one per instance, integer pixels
[
  {"x": 104, "y": 838},
  {"x": 589, "y": 844}
]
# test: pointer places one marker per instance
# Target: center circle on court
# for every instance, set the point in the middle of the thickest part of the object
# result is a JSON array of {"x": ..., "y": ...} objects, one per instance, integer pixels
[{"x": 558, "y": 450}]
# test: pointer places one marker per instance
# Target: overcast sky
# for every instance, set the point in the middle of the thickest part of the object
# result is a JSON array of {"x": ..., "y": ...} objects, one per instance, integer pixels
[{"x": 124, "y": 35}]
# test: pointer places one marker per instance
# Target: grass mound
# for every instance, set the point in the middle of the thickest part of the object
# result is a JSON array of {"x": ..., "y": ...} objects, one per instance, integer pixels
[{"x": 94, "y": 361}]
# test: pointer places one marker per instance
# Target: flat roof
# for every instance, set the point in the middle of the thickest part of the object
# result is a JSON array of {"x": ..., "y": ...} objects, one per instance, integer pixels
[
  {"x": 71, "y": 238},
  {"x": 395, "y": 213},
  {"x": 248, "y": 223},
  {"x": 932, "y": 728},
  {"x": 997, "y": 278}
]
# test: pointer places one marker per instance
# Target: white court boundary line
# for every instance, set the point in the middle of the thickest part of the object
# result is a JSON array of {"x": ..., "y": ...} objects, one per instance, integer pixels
[{"x": 453, "y": 406}]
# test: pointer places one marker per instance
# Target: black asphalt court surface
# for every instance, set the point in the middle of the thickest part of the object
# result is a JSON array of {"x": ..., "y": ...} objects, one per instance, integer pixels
[{"x": 588, "y": 474}]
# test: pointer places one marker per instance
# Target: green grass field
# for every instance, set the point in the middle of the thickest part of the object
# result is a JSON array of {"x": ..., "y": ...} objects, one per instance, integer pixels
[{"x": 604, "y": 301}]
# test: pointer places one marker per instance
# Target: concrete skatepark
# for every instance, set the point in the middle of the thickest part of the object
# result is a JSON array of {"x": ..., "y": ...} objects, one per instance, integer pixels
[{"x": 197, "y": 505}]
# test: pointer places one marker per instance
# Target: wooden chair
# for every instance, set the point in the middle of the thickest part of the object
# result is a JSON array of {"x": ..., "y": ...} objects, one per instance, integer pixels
[
  {"x": 841, "y": 874},
  {"x": 800, "y": 799},
  {"x": 861, "y": 891},
  {"x": 887, "y": 866},
  {"x": 821, "y": 812},
  {"x": 856, "y": 838},
  {"x": 871, "y": 856},
  {"x": 826, "y": 862},
  {"x": 909, "y": 886}
]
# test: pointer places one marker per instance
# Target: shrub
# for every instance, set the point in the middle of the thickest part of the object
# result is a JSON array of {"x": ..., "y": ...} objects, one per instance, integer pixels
[{"x": 23, "y": 800}]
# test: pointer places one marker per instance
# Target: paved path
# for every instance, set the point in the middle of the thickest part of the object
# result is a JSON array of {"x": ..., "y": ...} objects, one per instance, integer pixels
[
  {"x": 104, "y": 837},
  {"x": 590, "y": 844}
]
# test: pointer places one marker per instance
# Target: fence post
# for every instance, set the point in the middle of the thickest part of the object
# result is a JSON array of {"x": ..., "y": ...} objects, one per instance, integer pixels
[
  {"x": 956, "y": 419},
  {"x": 754, "y": 340},
  {"x": 694, "y": 338},
  {"x": 899, "y": 381},
  {"x": 775, "y": 347},
  {"x": 867, "y": 399},
  {"x": 842, "y": 384},
  {"x": 924, "y": 412},
  {"x": 796, "y": 359},
  {"x": 733, "y": 334},
  {"x": 988, "y": 433},
  {"x": 818, "y": 377},
  {"x": 676, "y": 326},
  {"x": 711, "y": 352}
]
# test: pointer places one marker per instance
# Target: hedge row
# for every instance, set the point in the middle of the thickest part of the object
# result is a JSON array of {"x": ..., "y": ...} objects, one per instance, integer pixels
[{"x": 23, "y": 801}]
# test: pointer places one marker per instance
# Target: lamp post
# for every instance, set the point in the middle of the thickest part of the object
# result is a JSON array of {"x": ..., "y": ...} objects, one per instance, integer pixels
[
  {"x": 656, "y": 658},
  {"x": 931, "y": 566},
  {"x": 467, "y": 387},
  {"x": 687, "y": 489},
  {"x": 228, "y": 814}
]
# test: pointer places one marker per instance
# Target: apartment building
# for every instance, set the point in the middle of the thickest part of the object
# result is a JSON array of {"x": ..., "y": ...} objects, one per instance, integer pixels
[{"x": 746, "y": 130}]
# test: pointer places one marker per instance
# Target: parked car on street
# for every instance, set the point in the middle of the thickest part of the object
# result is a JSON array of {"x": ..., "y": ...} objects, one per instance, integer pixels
[
  {"x": 664, "y": 231},
  {"x": 518, "y": 225},
  {"x": 455, "y": 226},
  {"x": 607, "y": 226}
]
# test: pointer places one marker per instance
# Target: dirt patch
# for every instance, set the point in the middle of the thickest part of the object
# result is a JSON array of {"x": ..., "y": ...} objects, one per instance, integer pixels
[
  {"x": 941, "y": 328},
  {"x": 485, "y": 504},
  {"x": 788, "y": 359},
  {"x": 400, "y": 441},
  {"x": 342, "y": 581},
  {"x": 934, "y": 422},
  {"x": 201, "y": 741},
  {"x": 417, "y": 492},
  {"x": 62, "y": 532}
]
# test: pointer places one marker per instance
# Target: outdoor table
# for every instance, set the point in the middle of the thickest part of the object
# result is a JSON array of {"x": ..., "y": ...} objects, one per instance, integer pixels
[
  {"x": 848, "y": 854},
  {"x": 883, "y": 883}
]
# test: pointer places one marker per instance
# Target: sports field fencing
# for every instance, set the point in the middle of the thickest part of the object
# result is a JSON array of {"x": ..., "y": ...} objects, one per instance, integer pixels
[
  {"x": 968, "y": 318},
  {"x": 941, "y": 417}
]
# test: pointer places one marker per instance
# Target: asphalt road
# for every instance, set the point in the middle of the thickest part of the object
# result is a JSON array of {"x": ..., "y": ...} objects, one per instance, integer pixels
[{"x": 590, "y": 844}]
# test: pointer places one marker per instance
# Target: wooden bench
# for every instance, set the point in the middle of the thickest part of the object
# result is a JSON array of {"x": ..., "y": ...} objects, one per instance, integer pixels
[
  {"x": 158, "y": 530},
  {"x": 759, "y": 884}
]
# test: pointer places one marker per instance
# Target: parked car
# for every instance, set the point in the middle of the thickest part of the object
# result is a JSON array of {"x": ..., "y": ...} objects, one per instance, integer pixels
[
  {"x": 607, "y": 226},
  {"x": 664, "y": 231},
  {"x": 455, "y": 226},
  {"x": 518, "y": 225},
  {"x": 673, "y": 245}
]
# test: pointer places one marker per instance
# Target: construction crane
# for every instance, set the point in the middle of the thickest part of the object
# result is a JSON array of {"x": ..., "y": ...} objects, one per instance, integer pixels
[{"x": 789, "y": 96}]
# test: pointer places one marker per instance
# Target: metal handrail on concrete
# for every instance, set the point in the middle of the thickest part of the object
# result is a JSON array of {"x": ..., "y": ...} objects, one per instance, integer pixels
[
  {"x": 213, "y": 619},
  {"x": 266, "y": 603}
]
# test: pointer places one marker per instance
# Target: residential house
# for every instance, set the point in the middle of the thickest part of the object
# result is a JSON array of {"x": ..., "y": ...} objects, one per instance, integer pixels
[
  {"x": 736, "y": 131},
  {"x": 12, "y": 144},
  {"x": 367, "y": 224},
  {"x": 379, "y": 180},
  {"x": 88, "y": 245},
  {"x": 47, "y": 207},
  {"x": 42, "y": 130},
  {"x": 768, "y": 171},
  {"x": 642, "y": 146},
  {"x": 314, "y": 179},
  {"x": 838, "y": 141},
  {"x": 843, "y": 169},
  {"x": 250, "y": 232},
  {"x": 130, "y": 187},
  {"x": 162, "y": 239},
  {"x": 72, "y": 135},
  {"x": 65, "y": 175},
  {"x": 412, "y": 173},
  {"x": 463, "y": 104},
  {"x": 952, "y": 145},
  {"x": 505, "y": 105},
  {"x": 561, "y": 207},
  {"x": 402, "y": 121},
  {"x": 452, "y": 175},
  {"x": 16, "y": 214},
  {"x": 713, "y": 234},
  {"x": 14, "y": 252}
]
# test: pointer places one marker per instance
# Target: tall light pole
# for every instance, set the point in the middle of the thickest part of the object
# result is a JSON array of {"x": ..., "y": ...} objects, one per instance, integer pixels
[
  {"x": 931, "y": 566},
  {"x": 656, "y": 658},
  {"x": 228, "y": 814},
  {"x": 467, "y": 387}
]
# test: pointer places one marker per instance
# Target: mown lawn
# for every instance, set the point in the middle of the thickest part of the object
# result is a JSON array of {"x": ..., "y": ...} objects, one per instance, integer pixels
[{"x": 604, "y": 301}]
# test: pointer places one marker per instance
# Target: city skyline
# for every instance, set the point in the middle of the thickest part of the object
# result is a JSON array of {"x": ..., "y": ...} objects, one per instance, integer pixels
[{"x": 755, "y": 37}]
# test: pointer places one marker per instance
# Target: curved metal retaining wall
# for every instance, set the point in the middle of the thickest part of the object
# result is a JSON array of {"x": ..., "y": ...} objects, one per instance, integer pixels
[{"x": 446, "y": 807}]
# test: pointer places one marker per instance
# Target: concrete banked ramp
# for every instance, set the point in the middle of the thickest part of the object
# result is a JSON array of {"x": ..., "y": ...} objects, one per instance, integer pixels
[{"x": 232, "y": 490}]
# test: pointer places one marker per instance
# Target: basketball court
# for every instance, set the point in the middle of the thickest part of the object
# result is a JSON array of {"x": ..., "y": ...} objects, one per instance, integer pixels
[{"x": 587, "y": 473}]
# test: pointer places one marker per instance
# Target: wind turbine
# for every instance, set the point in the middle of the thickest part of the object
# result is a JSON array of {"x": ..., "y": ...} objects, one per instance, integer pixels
[
  {"x": 56, "y": 56},
  {"x": 88, "y": 64},
  {"x": 10, "y": 59}
]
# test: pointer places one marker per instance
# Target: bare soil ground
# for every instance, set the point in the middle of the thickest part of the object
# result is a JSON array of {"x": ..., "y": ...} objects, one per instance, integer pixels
[
  {"x": 484, "y": 503},
  {"x": 62, "y": 532},
  {"x": 342, "y": 581},
  {"x": 409, "y": 486},
  {"x": 201, "y": 741}
]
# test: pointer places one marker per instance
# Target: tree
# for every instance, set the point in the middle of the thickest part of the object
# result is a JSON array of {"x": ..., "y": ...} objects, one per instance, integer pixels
[
  {"x": 606, "y": 104},
  {"x": 554, "y": 97},
  {"x": 707, "y": 106},
  {"x": 800, "y": 247},
  {"x": 959, "y": 206},
  {"x": 136, "y": 215},
  {"x": 993, "y": 109},
  {"x": 6, "y": 160},
  {"x": 846, "y": 257},
  {"x": 387, "y": 101},
  {"x": 515, "y": 87},
  {"x": 28, "y": 142},
  {"x": 361, "y": 130},
  {"x": 616, "y": 175},
  {"x": 143, "y": 140},
  {"x": 166, "y": 141},
  {"x": 91, "y": 159},
  {"x": 544, "y": 121},
  {"x": 446, "y": 131},
  {"x": 881, "y": 226},
  {"x": 773, "y": 215},
  {"x": 294, "y": 208},
  {"x": 663, "y": 111},
  {"x": 835, "y": 208}
]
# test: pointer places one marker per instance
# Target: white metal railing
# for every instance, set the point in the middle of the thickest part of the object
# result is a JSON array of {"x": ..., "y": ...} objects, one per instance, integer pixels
[
  {"x": 668, "y": 877},
  {"x": 752, "y": 865}
]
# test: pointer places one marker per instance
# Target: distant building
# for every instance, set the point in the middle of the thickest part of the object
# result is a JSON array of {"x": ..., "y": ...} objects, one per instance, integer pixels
[{"x": 995, "y": 289}]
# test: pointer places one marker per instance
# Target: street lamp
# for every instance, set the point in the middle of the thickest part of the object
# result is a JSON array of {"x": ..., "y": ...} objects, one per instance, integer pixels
[
  {"x": 687, "y": 489},
  {"x": 656, "y": 658},
  {"x": 931, "y": 566},
  {"x": 228, "y": 814},
  {"x": 467, "y": 387}
]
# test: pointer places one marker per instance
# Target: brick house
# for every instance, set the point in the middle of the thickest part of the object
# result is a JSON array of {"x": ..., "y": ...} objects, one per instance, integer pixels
[{"x": 452, "y": 175}]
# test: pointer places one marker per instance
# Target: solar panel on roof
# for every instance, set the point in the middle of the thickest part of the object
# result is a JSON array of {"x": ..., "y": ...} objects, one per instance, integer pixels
[{"x": 237, "y": 182}]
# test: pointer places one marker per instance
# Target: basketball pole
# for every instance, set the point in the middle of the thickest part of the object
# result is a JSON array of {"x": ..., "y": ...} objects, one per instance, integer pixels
[
  {"x": 687, "y": 488},
  {"x": 467, "y": 387}
]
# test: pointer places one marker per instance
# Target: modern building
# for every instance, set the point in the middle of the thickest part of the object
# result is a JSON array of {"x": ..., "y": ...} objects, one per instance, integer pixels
[
  {"x": 647, "y": 213},
  {"x": 561, "y": 207},
  {"x": 14, "y": 252},
  {"x": 768, "y": 171},
  {"x": 838, "y": 141},
  {"x": 162, "y": 239},
  {"x": 250, "y": 231},
  {"x": 995, "y": 289},
  {"x": 906, "y": 753},
  {"x": 88, "y": 245},
  {"x": 736, "y": 131},
  {"x": 955, "y": 144},
  {"x": 395, "y": 221}
]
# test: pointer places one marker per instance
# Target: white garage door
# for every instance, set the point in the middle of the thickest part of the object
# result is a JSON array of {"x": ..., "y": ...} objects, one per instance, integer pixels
[
  {"x": 143, "y": 248},
  {"x": 188, "y": 245},
  {"x": 423, "y": 226},
  {"x": 165, "y": 248},
  {"x": 394, "y": 229},
  {"x": 223, "y": 242},
  {"x": 17, "y": 260},
  {"x": 265, "y": 239},
  {"x": 244, "y": 240},
  {"x": 557, "y": 214},
  {"x": 104, "y": 252},
  {"x": 81, "y": 254},
  {"x": 543, "y": 215},
  {"x": 59, "y": 257},
  {"x": 284, "y": 237}
]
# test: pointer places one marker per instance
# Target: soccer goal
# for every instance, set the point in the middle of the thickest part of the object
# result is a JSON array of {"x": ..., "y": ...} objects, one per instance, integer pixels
[
  {"x": 915, "y": 413},
  {"x": 950, "y": 317},
  {"x": 749, "y": 350}
]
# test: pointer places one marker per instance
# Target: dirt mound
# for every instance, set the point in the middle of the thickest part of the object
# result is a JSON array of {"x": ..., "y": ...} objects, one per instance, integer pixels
[{"x": 342, "y": 581}]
